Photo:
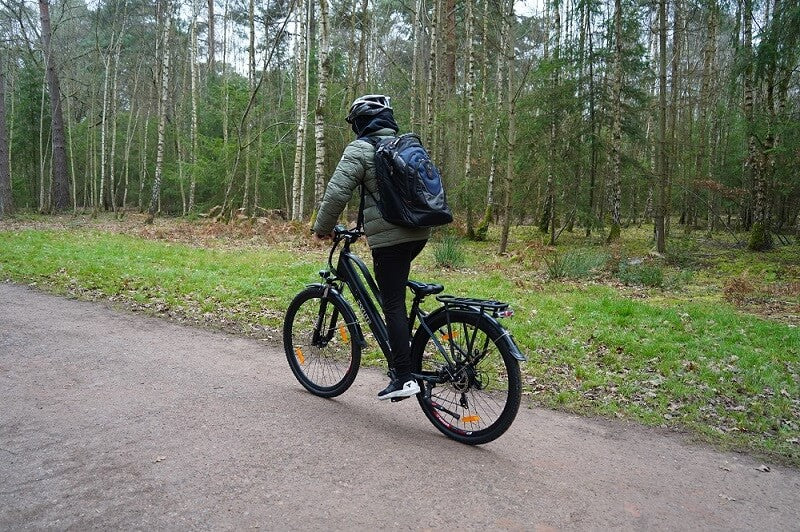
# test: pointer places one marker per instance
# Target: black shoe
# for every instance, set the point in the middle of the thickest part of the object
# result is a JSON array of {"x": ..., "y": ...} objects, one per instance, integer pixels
[{"x": 398, "y": 388}]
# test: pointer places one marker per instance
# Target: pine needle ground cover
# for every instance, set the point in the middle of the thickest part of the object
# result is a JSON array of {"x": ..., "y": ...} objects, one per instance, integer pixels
[{"x": 704, "y": 340}]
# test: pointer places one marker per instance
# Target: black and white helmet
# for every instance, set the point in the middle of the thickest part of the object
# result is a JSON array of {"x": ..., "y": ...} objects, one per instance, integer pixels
[{"x": 368, "y": 105}]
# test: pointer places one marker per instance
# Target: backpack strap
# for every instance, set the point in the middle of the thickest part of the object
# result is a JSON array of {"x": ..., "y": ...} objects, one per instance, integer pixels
[{"x": 360, "y": 220}]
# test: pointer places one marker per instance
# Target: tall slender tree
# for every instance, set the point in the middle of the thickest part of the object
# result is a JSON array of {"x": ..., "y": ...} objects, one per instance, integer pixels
[
  {"x": 6, "y": 203},
  {"x": 616, "y": 136},
  {"x": 162, "y": 112},
  {"x": 60, "y": 170}
]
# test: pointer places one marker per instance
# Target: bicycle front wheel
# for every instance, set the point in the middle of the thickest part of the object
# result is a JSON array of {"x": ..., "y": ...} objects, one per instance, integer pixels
[
  {"x": 476, "y": 399},
  {"x": 321, "y": 342}
]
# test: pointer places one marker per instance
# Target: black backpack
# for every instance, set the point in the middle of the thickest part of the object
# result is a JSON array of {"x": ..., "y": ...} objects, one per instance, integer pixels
[{"x": 409, "y": 184}]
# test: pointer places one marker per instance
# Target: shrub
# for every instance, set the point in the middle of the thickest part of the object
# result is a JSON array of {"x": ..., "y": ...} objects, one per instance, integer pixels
[
  {"x": 641, "y": 274},
  {"x": 448, "y": 252},
  {"x": 575, "y": 264}
]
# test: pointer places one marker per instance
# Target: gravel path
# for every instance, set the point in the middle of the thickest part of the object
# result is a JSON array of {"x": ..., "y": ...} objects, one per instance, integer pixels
[{"x": 113, "y": 420}]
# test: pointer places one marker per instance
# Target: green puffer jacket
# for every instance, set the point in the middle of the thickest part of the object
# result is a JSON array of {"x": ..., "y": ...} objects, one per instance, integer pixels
[{"x": 358, "y": 166}]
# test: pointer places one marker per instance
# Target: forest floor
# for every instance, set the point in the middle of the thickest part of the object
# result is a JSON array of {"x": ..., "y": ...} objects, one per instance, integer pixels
[{"x": 703, "y": 340}]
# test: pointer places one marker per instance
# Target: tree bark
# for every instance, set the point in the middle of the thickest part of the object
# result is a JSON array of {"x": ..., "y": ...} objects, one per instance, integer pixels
[
  {"x": 60, "y": 170},
  {"x": 509, "y": 28},
  {"x": 361, "y": 67},
  {"x": 415, "y": 65},
  {"x": 661, "y": 152},
  {"x": 323, "y": 67},
  {"x": 431, "y": 89},
  {"x": 470, "y": 90},
  {"x": 616, "y": 135},
  {"x": 162, "y": 116},
  {"x": 6, "y": 202},
  {"x": 193, "y": 96},
  {"x": 211, "y": 43},
  {"x": 298, "y": 179}
]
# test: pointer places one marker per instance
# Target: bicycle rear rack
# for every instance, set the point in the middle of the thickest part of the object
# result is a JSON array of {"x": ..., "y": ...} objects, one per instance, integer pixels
[{"x": 497, "y": 309}]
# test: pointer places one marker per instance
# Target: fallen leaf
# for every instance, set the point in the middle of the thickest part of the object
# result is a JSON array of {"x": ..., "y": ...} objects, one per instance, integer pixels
[{"x": 159, "y": 459}]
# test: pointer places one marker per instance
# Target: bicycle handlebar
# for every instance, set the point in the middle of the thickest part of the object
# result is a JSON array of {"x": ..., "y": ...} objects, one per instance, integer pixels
[{"x": 340, "y": 232}]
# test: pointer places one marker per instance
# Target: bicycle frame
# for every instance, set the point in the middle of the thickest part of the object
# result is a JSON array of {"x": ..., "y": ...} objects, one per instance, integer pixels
[{"x": 347, "y": 271}]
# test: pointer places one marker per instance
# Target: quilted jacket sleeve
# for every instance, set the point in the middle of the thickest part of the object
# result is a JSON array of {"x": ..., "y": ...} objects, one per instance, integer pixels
[{"x": 349, "y": 174}]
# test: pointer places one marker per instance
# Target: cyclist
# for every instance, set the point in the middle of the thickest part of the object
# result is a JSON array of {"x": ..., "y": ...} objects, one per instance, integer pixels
[{"x": 393, "y": 247}]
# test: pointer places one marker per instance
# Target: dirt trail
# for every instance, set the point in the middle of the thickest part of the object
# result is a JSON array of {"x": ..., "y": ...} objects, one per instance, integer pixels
[{"x": 116, "y": 421}]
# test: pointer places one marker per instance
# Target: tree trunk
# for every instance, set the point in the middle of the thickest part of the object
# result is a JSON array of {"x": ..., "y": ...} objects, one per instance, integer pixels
[
  {"x": 509, "y": 28},
  {"x": 616, "y": 135},
  {"x": 449, "y": 19},
  {"x": 298, "y": 179},
  {"x": 6, "y": 203},
  {"x": 211, "y": 43},
  {"x": 248, "y": 122},
  {"x": 162, "y": 116},
  {"x": 470, "y": 116},
  {"x": 661, "y": 153},
  {"x": 112, "y": 179},
  {"x": 193, "y": 95},
  {"x": 494, "y": 162},
  {"x": 42, "y": 153},
  {"x": 431, "y": 90},
  {"x": 673, "y": 159},
  {"x": 361, "y": 67},
  {"x": 702, "y": 170},
  {"x": 59, "y": 163},
  {"x": 103, "y": 133},
  {"x": 323, "y": 67},
  {"x": 415, "y": 65},
  {"x": 590, "y": 216}
]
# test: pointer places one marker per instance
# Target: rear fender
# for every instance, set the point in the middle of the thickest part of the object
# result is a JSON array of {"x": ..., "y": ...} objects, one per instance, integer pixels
[{"x": 503, "y": 333}]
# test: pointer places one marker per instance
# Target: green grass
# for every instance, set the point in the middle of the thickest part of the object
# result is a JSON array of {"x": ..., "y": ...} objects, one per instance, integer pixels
[{"x": 674, "y": 353}]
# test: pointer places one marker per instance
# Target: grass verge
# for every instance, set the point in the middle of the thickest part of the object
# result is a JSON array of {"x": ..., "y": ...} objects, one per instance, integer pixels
[{"x": 688, "y": 359}]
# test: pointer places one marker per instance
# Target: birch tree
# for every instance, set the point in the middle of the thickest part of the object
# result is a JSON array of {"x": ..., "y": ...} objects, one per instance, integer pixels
[
  {"x": 470, "y": 90},
  {"x": 301, "y": 99},
  {"x": 509, "y": 19},
  {"x": 323, "y": 72},
  {"x": 162, "y": 113}
]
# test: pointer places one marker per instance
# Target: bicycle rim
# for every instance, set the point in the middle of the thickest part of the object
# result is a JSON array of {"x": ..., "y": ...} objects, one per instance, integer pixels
[
  {"x": 481, "y": 399},
  {"x": 320, "y": 344}
]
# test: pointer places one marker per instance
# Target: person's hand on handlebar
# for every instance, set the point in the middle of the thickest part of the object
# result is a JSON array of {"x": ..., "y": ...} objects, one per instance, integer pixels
[{"x": 319, "y": 239}]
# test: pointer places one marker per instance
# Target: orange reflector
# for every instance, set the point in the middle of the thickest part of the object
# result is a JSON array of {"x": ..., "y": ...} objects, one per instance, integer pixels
[
  {"x": 471, "y": 419},
  {"x": 449, "y": 336},
  {"x": 343, "y": 333},
  {"x": 300, "y": 357}
]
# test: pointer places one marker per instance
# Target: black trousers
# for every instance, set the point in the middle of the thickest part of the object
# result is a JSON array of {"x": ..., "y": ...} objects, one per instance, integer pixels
[{"x": 392, "y": 265}]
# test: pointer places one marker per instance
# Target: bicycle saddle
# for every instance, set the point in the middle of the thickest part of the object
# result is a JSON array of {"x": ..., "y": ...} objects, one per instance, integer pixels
[{"x": 423, "y": 289}]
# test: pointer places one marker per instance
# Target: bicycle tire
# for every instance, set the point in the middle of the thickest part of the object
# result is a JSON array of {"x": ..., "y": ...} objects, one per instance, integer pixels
[
  {"x": 329, "y": 368},
  {"x": 480, "y": 406}
]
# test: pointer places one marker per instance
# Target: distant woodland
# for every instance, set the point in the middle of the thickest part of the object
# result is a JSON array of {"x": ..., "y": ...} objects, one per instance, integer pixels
[{"x": 566, "y": 115}]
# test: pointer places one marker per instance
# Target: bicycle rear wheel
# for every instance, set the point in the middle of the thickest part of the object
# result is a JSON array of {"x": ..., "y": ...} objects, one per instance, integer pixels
[
  {"x": 321, "y": 342},
  {"x": 475, "y": 401}
]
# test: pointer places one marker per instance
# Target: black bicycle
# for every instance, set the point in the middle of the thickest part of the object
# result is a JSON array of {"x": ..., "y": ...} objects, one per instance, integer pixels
[{"x": 466, "y": 363}]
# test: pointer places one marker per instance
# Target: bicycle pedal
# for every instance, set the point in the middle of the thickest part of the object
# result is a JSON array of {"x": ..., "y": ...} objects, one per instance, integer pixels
[{"x": 396, "y": 399}]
